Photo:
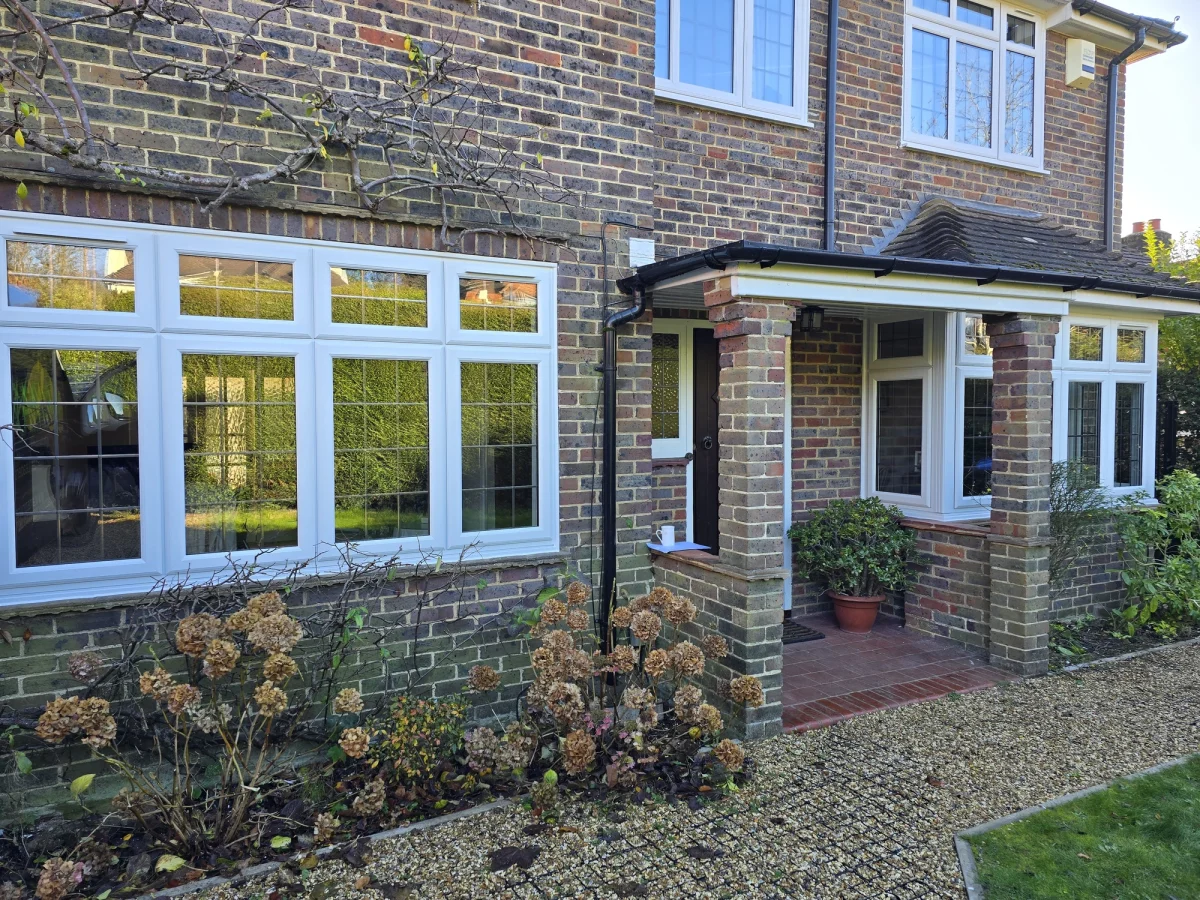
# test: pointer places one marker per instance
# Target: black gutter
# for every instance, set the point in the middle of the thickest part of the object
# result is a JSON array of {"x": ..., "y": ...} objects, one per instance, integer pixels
[
  {"x": 756, "y": 252},
  {"x": 831, "y": 107},
  {"x": 1110, "y": 152},
  {"x": 608, "y": 481}
]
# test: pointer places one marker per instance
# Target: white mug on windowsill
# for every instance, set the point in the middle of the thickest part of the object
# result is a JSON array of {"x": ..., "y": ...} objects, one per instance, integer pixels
[{"x": 666, "y": 536}]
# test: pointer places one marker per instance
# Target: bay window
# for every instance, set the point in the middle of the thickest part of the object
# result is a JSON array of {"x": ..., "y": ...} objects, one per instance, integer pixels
[
  {"x": 740, "y": 55},
  {"x": 180, "y": 400},
  {"x": 974, "y": 80}
]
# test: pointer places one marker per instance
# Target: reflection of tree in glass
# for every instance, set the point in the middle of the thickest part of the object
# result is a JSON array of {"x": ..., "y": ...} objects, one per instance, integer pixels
[
  {"x": 235, "y": 288},
  {"x": 366, "y": 297},
  {"x": 58, "y": 276}
]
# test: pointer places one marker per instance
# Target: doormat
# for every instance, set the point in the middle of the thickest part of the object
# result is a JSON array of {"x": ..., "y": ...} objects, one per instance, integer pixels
[{"x": 795, "y": 633}]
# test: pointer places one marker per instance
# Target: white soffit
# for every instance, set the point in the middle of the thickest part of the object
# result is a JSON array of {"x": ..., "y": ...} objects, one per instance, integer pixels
[{"x": 1104, "y": 34}]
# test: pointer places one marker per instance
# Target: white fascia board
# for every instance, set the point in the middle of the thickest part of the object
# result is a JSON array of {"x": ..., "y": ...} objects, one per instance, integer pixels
[
  {"x": 1104, "y": 34},
  {"x": 1153, "y": 308},
  {"x": 854, "y": 287}
]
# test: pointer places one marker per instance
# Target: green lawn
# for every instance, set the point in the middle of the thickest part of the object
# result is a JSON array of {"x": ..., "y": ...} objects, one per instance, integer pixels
[{"x": 1138, "y": 839}]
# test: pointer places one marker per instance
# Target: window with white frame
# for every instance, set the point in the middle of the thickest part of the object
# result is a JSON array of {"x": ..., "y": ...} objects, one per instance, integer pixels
[
  {"x": 749, "y": 55},
  {"x": 179, "y": 399},
  {"x": 974, "y": 80}
]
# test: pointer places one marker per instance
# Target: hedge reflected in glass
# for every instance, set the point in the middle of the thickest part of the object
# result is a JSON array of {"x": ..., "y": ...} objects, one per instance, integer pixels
[
  {"x": 366, "y": 297},
  {"x": 235, "y": 288},
  {"x": 499, "y": 446},
  {"x": 487, "y": 304}
]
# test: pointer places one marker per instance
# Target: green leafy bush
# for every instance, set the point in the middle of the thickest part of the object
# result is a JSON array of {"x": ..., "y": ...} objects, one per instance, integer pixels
[
  {"x": 1079, "y": 509},
  {"x": 855, "y": 547},
  {"x": 1160, "y": 555}
]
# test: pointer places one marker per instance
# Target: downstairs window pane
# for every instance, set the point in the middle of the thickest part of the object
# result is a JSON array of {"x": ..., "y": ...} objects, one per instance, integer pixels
[
  {"x": 499, "y": 446},
  {"x": 899, "y": 427},
  {"x": 76, "y": 479},
  {"x": 1083, "y": 424},
  {"x": 977, "y": 437},
  {"x": 239, "y": 452},
  {"x": 1127, "y": 461}
]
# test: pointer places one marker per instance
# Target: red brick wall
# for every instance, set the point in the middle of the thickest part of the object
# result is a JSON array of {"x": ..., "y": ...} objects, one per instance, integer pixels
[
  {"x": 724, "y": 177},
  {"x": 951, "y": 593}
]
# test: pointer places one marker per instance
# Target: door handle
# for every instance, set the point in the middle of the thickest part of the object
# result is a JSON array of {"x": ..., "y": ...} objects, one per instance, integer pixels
[{"x": 706, "y": 443}]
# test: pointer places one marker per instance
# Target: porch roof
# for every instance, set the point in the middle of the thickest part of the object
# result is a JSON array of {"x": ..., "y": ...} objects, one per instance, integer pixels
[{"x": 954, "y": 241}]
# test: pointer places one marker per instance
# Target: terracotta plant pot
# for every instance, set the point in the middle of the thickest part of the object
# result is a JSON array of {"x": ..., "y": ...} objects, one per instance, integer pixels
[{"x": 855, "y": 614}]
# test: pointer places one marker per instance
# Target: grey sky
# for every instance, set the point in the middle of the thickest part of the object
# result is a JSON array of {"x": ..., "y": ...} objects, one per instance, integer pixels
[{"x": 1162, "y": 137}]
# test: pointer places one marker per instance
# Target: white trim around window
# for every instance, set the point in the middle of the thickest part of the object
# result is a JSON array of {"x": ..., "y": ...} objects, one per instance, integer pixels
[
  {"x": 161, "y": 337},
  {"x": 739, "y": 93},
  {"x": 956, "y": 34},
  {"x": 680, "y": 446}
]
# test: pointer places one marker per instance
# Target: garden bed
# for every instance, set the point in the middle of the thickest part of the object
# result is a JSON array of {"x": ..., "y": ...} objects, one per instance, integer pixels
[{"x": 1094, "y": 638}]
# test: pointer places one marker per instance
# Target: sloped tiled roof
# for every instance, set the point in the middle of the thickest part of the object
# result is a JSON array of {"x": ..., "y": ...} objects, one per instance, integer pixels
[{"x": 945, "y": 230}]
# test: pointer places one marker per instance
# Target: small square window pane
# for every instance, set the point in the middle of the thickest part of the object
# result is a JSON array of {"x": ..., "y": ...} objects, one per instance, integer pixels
[
  {"x": 973, "y": 95},
  {"x": 1021, "y": 31},
  {"x": 1131, "y": 345},
  {"x": 366, "y": 297},
  {"x": 941, "y": 7},
  {"x": 899, "y": 430},
  {"x": 975, "y": 337},
  {"x": 977, "y": 14},
  {"x": 930, "y": 83},
  {"x": 1087, "y": 343},
  {"x": 664, "y": 393},
  {"x": 897, "y": 340},
  {"x": 1127, "y": 459},
  {"x": 487, "y": 304},
  {"x": 235, "y": 288},
  {"x": 1018, "y": 103},
  {"x": 60, "y": 276},
  {"x": 706, "y": 43},
  {"x": 774, "y": 53}
]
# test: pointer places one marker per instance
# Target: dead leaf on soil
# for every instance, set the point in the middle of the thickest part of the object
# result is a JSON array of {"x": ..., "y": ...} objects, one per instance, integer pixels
[{"x": 522, "y": 857}]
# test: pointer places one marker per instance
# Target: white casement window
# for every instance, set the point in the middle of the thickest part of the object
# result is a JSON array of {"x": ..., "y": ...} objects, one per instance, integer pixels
[
  {"x": 974, "y": 80},
  {"x": 747, "y": 56},
  {"x": 173, "y": 399}
]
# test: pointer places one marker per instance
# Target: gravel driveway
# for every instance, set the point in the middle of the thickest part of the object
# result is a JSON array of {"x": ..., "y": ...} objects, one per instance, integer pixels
[{"x": 863, "y": 809}]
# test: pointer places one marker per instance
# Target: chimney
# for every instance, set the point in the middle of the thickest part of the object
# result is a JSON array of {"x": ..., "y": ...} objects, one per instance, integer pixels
[
  {"x": 1156, "y": 224},
  {"x": 1139, "y": 227}
]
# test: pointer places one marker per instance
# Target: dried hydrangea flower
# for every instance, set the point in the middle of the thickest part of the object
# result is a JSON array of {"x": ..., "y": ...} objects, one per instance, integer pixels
[
  {"x": 348, "y": 700},
  {"x": 578, "y": 593},
  {"x": 183, "y": 697},
  {"x": 679, "y": 610},
  {"x": 157, "y": 684},
  {"x": 276, "y": 634},
  {"x": 579, "y": 752},
  {"x": 267, "y": 604},
  {"x": 659, "y": 597},
  {"x": 10, "y": 890},
  {"x": 687, "y": 659},
  {"x": 516, "y": 748},
  {"x": 324, "y": 828},
  {"x": 578, "y": 666},
  {"x": 559, "y": 641},
  {"x": 65, "y": 717},
  {"x": 621, "y": 617},
  {"x": 195, "y": 632},
  {"x": 482, "y": 747},
  {"x": 483, "y": 679},
  {"x": 96, "y": 722},
  {"x": 370, "y": 799},
  {"x": 636, "y": 698},
  {"x": 746, "y": 689},
  {"x": 687, "y": 703},
  {"x": 58, "y": 878},
  {"x": 564, "y": 701},
  {"x": 646, "y": 626},
  {"x": 657, "y": 663},
  {"x": 220, "y": 658},
  {"x": 553, "y": 611},
  {"x": 623, "y": 658},
  {"x": 241, "y": 621},
  {"x": 714, "y": 646},
  {"x": 708, "y": 717},
  {"x": 731, "y": 755},
  {"x": 542, "y": 659},
  {"x": 85, "y": 666},
  {"x": 270, "y": 699},
  {"x": 355, "y": 742},
  {"x": 578, "y": 619},
  {"x": 279, "y": 667}
]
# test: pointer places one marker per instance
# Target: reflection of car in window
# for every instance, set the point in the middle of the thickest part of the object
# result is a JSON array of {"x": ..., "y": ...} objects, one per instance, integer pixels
[
  {"x": 75, "y": 456},
  {"x": 977, "y": 480}
]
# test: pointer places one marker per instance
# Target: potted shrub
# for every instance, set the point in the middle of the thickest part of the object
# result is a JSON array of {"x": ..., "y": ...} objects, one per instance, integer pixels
[{"x": 858, "y": 550}]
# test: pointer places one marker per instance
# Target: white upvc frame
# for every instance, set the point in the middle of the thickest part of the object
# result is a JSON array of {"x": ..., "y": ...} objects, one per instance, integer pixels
[
  {"x": 160, "y": 336},
  {"x": 434, "y": 356},
  {"x": 678, "y": 447},
  {"x": 29, "y": 578},
  {"x": 741, "y": 99},
  {"x": 175, "y": 243},
  {"x": 911, "y": 504},
  {"x": 512, "y": 540},
  {"x": 84, "y": 233},
  {"x": 996, "y": 41},
  {"x": 174, "y": 348},
  {"x": 350, "y": 256}
]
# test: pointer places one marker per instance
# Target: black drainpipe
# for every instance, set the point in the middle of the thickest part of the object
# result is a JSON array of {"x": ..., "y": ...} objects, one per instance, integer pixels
[
  {"x": 608, "y": 481},
  {"x": 1110, "y": 159},
  {"x": 831, "y": 78}
]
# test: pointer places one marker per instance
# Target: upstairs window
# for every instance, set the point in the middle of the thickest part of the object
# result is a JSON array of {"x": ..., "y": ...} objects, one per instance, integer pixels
[
  {"x": 734, "y": 54},
  {"x": 975, "y": 80}
]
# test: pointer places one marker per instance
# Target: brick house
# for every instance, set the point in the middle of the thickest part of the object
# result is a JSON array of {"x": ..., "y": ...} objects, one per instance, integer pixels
[{"x": 891, "y": 307}]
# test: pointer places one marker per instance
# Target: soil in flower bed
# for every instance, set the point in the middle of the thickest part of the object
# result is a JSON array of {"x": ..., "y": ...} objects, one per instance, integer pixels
[
  {"x": 119, "y": 857},
  {"x": 1095, "y": 637}
]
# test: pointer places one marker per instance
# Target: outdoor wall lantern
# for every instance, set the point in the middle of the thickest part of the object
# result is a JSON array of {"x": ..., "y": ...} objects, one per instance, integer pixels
[{"x": 811, "y": 318}]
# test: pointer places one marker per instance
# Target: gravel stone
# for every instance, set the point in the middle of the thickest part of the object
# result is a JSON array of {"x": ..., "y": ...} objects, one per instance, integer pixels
[{"x": 864, "y": 809}]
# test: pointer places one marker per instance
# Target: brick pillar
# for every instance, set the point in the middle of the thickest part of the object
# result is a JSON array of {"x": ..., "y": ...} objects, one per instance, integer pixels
[
  {"x": 752, "y": 415},
  {"x": 1023, "y": 400}
]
